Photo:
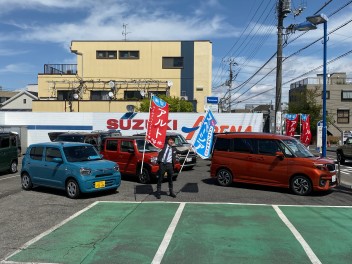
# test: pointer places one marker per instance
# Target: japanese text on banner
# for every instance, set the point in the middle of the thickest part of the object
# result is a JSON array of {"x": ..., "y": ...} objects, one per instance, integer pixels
[
  {"x": 204, "y": 140},
  {"x": 157, "y": 123}
]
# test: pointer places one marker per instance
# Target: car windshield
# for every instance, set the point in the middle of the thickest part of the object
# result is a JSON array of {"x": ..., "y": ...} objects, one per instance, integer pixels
[
  {"x": 81, "y": 153},
  {"x": 298, "y": 148},
  {"x": 179, "y": 140},
  {"x": 148, "y": 146}
]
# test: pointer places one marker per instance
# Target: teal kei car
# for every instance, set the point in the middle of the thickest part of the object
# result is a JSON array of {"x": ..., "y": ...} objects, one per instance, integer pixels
[{"x": 74, "y": 167}]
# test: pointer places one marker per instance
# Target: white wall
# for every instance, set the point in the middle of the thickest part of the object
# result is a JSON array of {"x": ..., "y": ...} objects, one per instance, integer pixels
[{"x": 39, "y": 124}]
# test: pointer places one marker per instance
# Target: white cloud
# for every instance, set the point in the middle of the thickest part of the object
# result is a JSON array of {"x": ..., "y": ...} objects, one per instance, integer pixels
[
  {"x": 11, "y": 52},
  {"x": 17, "y": 68},
  {"x": 104, "y": 23}
]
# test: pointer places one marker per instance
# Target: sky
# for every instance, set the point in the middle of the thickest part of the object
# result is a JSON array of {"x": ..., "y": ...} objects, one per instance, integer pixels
[{"x": 243, "y": 34}]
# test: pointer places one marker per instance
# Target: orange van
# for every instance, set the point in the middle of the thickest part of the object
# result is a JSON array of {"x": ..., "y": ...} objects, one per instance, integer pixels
[{"x": 270, "y": 159}]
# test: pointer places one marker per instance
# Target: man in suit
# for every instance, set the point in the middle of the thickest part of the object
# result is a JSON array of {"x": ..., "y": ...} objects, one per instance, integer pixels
[{"x": 166, "y": 161}]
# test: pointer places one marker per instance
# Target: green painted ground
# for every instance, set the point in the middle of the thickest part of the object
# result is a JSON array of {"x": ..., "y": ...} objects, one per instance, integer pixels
[{"x": 205, "y": 233}]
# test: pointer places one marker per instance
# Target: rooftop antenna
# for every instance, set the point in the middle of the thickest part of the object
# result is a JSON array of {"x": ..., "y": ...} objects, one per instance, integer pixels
[{"x": 124, "y": 32}]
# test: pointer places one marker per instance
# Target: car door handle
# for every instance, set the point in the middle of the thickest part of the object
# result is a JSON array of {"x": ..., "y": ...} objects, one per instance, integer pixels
[
  {"x": 250, "y": 158},
  {"x": 260, "y": 158}
]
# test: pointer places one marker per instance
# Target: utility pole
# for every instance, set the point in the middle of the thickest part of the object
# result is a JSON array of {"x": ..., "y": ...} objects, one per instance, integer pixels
[
  {"x": 229, "y": 82},
  {"x": 283, "y": 7}
]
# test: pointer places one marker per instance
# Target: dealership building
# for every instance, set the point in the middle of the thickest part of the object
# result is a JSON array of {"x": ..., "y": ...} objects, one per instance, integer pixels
[{"x": 111, "y": 75}]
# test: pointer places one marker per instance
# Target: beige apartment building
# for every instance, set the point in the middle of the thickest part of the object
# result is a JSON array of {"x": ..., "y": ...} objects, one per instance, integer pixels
[
  {"x": 338, "y": 99},
  {"x": 112, "y": 76}
]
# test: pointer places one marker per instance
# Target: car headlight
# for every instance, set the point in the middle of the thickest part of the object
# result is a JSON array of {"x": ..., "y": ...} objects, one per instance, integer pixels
[
  {"x": 116, "y": 168},
  {"x": 85, "y": 171},
  {"x": 154, "y": 160},
  {"x": 320, "y": 166}
]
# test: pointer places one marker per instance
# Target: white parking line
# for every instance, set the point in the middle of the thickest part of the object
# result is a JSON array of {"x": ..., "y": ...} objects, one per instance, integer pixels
[
  {"x": 26, "y": 245},
  {"x": 17, "y": 175},
  {"x": 168, "y": 235},
  {"x": 313, "y": 258}
]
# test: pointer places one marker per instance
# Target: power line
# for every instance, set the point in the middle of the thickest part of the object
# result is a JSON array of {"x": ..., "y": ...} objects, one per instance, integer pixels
[{"x": 244, "y": 83}]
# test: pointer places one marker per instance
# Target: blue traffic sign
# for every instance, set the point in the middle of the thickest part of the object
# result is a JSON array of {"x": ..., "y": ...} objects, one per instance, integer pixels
[{"x": 212, "y": 100}]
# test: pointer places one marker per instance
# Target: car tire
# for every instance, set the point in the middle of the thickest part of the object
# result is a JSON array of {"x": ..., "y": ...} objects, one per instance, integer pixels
[
  {"x": 144, "y": 177},
  {"x": 13, "y": 167},
  {"x": 301, "y": 185},
  {"x": 340, "y": 158},
  {"x": 224, "y": 177},
  {"x": 72, "y": 189},
  {"x": 26, "y": 182}
]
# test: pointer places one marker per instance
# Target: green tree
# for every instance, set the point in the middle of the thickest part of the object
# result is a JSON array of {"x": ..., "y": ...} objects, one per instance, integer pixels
[
  {"x": 305, "y": 101},
  {"x": 176, "y": 104}
]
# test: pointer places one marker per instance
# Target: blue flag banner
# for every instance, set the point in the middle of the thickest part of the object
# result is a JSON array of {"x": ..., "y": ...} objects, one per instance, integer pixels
[{"x": 204, "y": 140}]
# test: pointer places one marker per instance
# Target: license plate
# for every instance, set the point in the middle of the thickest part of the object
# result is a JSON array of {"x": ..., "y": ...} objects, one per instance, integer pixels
[
  {"x": 99, "y": 184},
  {"x": 333, "y": 178},
  {"x": 189, "y": 159}
]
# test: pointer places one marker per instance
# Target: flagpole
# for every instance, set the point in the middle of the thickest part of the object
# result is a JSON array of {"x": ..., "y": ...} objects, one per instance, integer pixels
[
  {"x": 145, "y": 142},
  {"x": 145, "y": 138},
  {"x": 189, "y": 150}
]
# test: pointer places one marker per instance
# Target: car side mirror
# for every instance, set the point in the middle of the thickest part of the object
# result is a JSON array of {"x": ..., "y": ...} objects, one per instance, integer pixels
[
  {"x": 57, "y": 160},
  {"x": 280, "y": 155}
]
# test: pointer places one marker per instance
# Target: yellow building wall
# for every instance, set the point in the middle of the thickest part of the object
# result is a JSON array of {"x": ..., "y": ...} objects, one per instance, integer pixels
[
  {"x": 147, "y": 67},
  {"x": 202, "y": 73},
  {"x": 84, "y": 106}
]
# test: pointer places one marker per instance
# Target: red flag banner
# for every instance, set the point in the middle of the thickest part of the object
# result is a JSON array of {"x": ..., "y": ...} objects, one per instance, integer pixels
[
  {"x": 157, "y": 123},
  {"x": 306, "y": 135},
  {"x": 291, "y": 124}
]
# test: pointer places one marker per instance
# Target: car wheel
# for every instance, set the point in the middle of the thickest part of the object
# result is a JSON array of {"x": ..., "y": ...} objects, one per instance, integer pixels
[
  {"x": 340, "y": 158},
  {"x": 144, "y": 177},
  {"x": 224, "y": 177},
  {"x": 72, "y": 189},
  {"x": 13, "y": 167},
  {"x": 301, "y": 185},
  {"x": 26, "y": 182}
]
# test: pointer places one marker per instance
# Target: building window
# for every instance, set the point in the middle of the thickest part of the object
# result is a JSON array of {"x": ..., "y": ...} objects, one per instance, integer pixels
[
  {"x": 64, "y": 95},
  {"x": 106, "y": 54},
  {"x": 327, "y": 95},
  {"x": 158, "y": 93},
  {"x": 346, "y": 95},
  {"x": 99, "y": 96},
  {"x": 172, "y": 62},
  {"x": 132, "y": 95},
  {"x": 24, "y": 101},
  {"x": 343, "y": 116},
  {"x": 129, "y": 54}
]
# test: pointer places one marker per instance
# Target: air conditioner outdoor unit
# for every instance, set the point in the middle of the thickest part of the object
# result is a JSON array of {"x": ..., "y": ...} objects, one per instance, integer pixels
[{"x": 184, "y": 97}]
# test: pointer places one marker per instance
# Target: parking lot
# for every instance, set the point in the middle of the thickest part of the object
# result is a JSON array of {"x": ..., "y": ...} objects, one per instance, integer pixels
[
  {"x": 114, "y": 232},
  {"x": 216, "y": 224}
]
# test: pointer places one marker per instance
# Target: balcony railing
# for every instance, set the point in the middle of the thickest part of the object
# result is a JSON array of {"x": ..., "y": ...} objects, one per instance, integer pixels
[
  {"x": 319, "y": 81},
  {"x": 70, "y": 69}
]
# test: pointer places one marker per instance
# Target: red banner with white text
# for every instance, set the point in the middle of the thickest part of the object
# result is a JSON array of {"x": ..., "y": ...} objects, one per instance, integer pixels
[
  {"x": 306, "y": 135},
  {"x": 157, "y": 123},
  {"x": 291, "y": 124}
]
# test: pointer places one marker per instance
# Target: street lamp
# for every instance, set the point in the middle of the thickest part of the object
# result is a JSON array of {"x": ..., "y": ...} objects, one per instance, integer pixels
[{"x": 311, "y": 23}]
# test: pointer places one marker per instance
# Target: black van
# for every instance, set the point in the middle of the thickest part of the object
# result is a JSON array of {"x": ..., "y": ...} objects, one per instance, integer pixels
[
  {"x": 9, "y": 151},
  {"x": 84, "y": 137}
]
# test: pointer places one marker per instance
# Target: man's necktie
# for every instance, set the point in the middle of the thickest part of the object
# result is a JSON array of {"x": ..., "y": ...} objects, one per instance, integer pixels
[{"x": 166, "y": 154}]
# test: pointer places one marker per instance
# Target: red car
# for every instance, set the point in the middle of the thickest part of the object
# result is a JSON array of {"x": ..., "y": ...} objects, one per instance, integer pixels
[{"x": 128, "y": 152}]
